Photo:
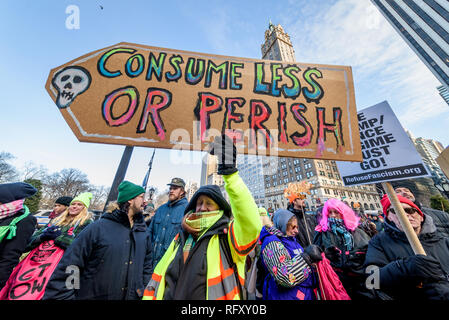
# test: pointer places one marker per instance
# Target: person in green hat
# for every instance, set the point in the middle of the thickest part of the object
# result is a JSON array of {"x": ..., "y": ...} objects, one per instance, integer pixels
[{"x": 111, "y": 257}]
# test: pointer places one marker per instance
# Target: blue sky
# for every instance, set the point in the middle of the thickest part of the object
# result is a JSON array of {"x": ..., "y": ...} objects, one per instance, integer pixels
[{"x": 345, "y": 32}]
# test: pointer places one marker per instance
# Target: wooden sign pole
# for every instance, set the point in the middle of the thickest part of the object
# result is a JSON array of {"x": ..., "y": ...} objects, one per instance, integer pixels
[{"x": 402, "y": 216}]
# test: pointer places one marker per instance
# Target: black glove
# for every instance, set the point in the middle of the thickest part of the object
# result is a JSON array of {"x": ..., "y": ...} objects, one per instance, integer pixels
[
  {"x": 50, "y": 233},
  {"x": 224, "y": 148},
  {"x": 437, "y": 290},
  {"x": 312, "y": 254},
  {"x": 332, "y": 253},
  {"x": 423, "y": 267}
]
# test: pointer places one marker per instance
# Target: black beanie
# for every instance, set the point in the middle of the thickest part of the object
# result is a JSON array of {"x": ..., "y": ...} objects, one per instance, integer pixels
[
  {"x": 213, "y": 192},
  {"x": 10, "y": 192},
  {"x": 65, "y": 201}
]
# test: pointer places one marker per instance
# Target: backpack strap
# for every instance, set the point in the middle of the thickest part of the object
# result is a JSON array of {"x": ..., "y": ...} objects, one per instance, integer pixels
[{"x": 12, "y": 226}]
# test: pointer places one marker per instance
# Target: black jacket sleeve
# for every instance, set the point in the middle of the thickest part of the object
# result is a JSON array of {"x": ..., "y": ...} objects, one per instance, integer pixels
[
  {"x": 12, "y": 249},
  {"x": 148, "y": 262},
  {"x": 72, "y": 264},
  {"x": 391, "y": 273}
]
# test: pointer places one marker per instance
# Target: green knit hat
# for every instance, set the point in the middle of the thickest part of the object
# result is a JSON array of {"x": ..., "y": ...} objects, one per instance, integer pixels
[
  {"x": 128, "y": 191},
  {"x": 84, "y": 198}
]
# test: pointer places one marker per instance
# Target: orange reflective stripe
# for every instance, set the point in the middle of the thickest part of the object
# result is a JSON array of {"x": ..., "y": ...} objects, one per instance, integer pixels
[
  {"x": 241, "y": 250},
  {"x": 148, "y": 293},
  {"x": 230, "y": 295},
  {"x": 223, "y": 274},
  {"x": 156, "y": 277},
  {"x": 218, "y": 279},
  {"x": 224, "y": 286}
]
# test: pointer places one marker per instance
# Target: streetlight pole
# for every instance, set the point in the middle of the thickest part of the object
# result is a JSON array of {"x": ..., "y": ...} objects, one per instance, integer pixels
[{"x": 145, "y": 180}]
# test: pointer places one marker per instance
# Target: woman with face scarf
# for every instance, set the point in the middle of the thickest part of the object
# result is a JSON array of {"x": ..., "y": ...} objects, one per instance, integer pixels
[
  {"x": 344, "y": 243},
  {"x": 206, "y": 260}
]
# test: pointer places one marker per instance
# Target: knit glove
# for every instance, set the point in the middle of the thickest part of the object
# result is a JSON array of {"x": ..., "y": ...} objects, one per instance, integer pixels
[
  {"x": 437, "y": 290},
  {"x": 423, "y": 268},
  {"x": 50, "y": 233},
  {"x": 312, "y": 254},
  {"x": 332, "y": 254},
  {"x": 224, "y": 148}
]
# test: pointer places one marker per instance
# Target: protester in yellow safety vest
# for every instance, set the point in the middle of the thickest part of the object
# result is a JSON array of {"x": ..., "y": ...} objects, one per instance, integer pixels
[{"x": 206, "y": 261}]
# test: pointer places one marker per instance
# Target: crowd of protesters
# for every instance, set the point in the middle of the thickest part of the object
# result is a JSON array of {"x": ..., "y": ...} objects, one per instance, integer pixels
[{"x": 209, "y": 248}]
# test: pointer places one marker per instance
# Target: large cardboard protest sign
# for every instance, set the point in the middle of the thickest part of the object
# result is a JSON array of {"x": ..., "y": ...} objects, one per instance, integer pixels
[
  {"x": 139, "y": 95},
  {"x": 388, "y": 152}
]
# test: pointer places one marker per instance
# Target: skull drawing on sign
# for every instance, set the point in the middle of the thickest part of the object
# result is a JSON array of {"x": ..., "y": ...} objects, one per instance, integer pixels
[{"x": 70, "y": 82}]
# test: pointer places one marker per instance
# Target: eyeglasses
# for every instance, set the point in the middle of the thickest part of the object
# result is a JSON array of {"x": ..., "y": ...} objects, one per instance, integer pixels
[{"x": 407, "y": 210}]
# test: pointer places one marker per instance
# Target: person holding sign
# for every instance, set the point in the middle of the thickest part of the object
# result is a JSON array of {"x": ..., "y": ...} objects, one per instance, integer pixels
[
  {"x": 402, "y": 274},
  {"x": 440, "y": 218},
  {"x": 29, "y": 279},
  {"x": 206, "y": 260},
  {"x": 297, "y": 194},
  {"x": 344, "y": 243}
]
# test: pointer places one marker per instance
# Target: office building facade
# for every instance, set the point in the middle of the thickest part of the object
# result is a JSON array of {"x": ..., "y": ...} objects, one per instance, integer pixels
[
  {"x": 444, "y": 93},
  {"x": 424, "y": 26}
]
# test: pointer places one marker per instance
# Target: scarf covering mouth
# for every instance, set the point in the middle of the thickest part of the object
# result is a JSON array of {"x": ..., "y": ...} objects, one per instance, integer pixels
[
  {"x": 197, "y": 223},
  {"x": 11, "y": 208},
  {"x": 338, "y": 227}
]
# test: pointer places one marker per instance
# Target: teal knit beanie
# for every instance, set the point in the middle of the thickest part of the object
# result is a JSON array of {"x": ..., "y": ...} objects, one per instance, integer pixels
[{"x": 128, "y": 191}]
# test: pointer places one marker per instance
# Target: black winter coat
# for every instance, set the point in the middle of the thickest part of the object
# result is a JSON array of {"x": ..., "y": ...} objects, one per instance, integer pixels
[
  {"x": 348, "y": 265},
  {"x": 440, "y": 219},
  {"x": 114, "y": 261},
  {"x": 306, "y": 227},
  {"x": 11, "y": 250},
  {"x": 388, "y": 249}
]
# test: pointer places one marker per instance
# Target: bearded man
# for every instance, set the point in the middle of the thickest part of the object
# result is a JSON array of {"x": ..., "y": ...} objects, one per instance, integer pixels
[{"x": 111, "y": 256}]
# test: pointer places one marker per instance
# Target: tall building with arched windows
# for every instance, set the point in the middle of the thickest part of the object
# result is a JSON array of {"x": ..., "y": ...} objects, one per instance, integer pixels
[{"x": 267, "y": 177}]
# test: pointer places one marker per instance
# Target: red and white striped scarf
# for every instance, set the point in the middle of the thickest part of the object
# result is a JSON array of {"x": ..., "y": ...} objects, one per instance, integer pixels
[{"x": 10, "y": 208}]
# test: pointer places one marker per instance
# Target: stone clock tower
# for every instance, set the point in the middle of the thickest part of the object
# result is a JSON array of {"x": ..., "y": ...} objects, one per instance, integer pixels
[{"x": 277, "y": 45}]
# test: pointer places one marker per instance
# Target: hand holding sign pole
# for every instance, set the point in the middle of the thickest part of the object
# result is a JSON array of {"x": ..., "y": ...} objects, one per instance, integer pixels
[{"x": 388, "y": 154}]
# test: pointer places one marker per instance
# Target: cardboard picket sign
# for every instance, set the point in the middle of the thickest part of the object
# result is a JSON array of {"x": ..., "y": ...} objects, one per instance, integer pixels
[
  {"x": 388, "y": 152},
  {"x": 139, "y": 95}
]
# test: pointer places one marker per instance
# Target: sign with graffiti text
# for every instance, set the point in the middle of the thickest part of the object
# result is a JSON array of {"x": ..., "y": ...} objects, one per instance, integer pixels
[
  {"x": 30, "y": 277},
  {"x": 388, "y": 152},
  {"x": 139, "y": 95}
]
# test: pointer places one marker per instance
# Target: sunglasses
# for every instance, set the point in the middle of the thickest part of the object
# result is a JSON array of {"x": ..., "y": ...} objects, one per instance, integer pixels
[{"x": 407, "y": 210}]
